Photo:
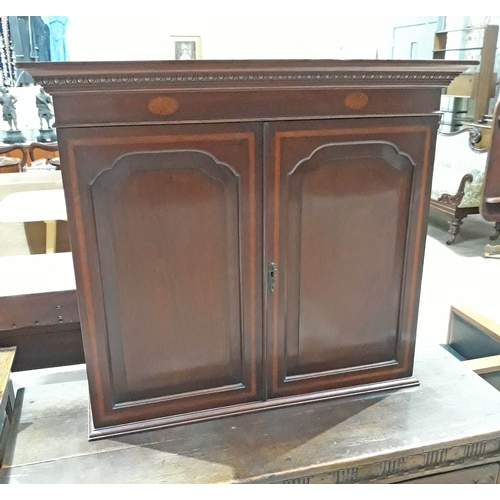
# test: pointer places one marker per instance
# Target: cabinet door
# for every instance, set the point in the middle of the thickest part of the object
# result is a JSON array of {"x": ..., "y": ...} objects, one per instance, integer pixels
[
  {"x": 346, "y": 211},
  {"x": 166, "y": 236}
]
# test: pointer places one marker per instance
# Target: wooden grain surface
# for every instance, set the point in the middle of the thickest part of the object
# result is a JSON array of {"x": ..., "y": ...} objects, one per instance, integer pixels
[
  {"x": 6, "y": 360},
  {"x": 487, "y": 364},
  {"x": 387, "y": 437},
  {"x": 478, "y": 320},
  {"x": 483, "y": 474}
]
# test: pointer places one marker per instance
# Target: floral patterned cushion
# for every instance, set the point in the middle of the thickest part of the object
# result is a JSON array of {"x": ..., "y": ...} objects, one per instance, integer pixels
[{"x": 454, "y": 159}]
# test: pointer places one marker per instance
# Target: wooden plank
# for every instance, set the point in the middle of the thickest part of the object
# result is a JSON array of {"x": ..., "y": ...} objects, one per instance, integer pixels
[
  {"x": 487, "y": 325},
  {"x": 386, "y": 437},
  {"x": 485, "y": 474},
  {"x": 482, "y": 92},
  {"x": 6, "y": 397},
  {"x": 462, "y": 85},
  {"x": 51, "y": 236},
  {"x": 38, "y": 309},
  {"x": 45, "y": 346},
  {"x": 6, "y": 360},
  {"x": 487, "y": 364}
]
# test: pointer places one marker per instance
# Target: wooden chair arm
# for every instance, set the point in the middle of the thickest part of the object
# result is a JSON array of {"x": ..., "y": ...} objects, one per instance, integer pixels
[
  {"x": 48, "y": 146},
  {"x": 15, "y": 147},
  {"x": 456, "y": 199}
]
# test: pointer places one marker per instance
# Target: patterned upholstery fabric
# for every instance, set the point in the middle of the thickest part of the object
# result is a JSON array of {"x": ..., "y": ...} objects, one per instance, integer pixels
[{"x": 454, "y": 159}]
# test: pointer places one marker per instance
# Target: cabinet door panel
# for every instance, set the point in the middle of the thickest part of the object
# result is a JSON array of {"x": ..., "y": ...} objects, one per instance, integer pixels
[
  {"x": 345, "y": 229},
  {"x": 174, "y": 221},
  {"x": 171, "y": 233}
]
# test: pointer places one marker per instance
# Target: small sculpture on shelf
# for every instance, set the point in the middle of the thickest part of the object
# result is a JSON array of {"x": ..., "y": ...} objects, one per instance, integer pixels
[
  {"x": 43, "y": 103},
  {"x": 9, "y": 115}
]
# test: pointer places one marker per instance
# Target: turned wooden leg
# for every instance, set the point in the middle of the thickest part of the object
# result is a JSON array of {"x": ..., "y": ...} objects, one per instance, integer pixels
[
  {"x": 497, "y": 231},
  {"x": 454, "y": 229}
]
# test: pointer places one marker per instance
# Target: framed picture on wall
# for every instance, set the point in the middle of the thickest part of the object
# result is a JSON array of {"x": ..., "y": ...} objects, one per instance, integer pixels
[{"x": 186, "y": 48}]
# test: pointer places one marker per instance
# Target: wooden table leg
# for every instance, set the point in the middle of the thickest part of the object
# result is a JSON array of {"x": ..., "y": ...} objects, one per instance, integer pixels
[{"x": 50, "y": 242}]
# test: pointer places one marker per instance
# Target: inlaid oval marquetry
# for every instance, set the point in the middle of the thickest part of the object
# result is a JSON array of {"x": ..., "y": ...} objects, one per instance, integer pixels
[
  {"x": 163, "y": 105},
  {"x": 356, "y": 100}
]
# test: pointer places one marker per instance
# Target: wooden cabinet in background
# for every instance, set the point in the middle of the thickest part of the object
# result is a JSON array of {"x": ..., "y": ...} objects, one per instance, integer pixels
[{"x": 245, "y": 234}]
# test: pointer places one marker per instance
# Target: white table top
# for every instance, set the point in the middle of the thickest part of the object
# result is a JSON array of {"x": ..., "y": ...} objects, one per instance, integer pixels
[
  {"x": 25, "y": 274},
  {"x": 32, "y": 206}
]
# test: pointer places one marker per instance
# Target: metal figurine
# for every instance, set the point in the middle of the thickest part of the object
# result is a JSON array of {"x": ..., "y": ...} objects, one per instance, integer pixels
[
  {"x": 43, "y": 101},
  {"x": 9, "y": 110}
]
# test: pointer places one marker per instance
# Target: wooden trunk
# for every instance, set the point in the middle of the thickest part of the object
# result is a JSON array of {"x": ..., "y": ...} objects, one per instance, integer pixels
[{"x": 245, "y": 234}]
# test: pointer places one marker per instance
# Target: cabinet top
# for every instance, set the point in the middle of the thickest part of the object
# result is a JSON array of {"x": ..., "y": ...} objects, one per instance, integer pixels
[{"x": 71, "y": 76}]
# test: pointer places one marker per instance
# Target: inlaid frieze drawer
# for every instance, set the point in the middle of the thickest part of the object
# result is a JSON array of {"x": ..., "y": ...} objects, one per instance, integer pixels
[
  {"x": 178, "y": 106},
  {"x": 173, "y": 92}
]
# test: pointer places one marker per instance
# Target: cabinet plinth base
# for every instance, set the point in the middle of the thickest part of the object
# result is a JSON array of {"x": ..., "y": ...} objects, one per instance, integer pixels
[{"x": 96, "y": 433}]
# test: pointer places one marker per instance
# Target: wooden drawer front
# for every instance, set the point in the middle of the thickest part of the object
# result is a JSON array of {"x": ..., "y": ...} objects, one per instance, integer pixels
[
  {"x": 483, "y": 474},
  {"x": 174, "y": 106}
]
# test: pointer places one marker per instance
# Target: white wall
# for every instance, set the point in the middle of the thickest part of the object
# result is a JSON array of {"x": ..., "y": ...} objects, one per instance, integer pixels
[
  {"x": 101, "y": 38},
  {"x": 108, "y": 38},
  {"x": 27, "y": 112}
]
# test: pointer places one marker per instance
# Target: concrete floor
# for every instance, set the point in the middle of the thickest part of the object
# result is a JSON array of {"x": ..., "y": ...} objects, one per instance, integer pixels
[{"x": 456, "y": 274}]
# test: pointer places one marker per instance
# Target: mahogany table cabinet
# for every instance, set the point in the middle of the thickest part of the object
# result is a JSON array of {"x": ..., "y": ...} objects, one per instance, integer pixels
[{"x": 246, "y": 234}]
